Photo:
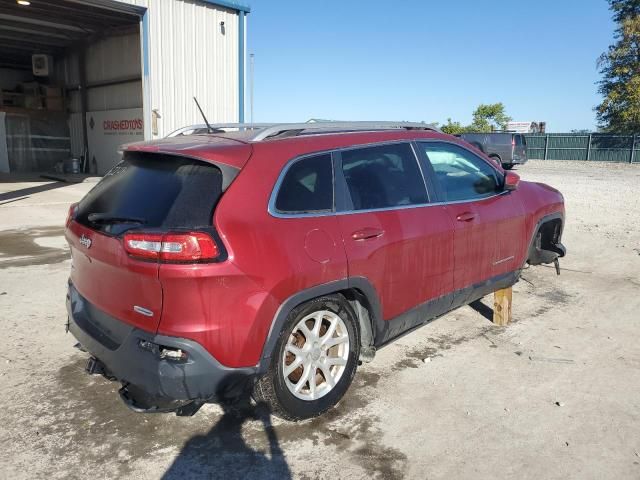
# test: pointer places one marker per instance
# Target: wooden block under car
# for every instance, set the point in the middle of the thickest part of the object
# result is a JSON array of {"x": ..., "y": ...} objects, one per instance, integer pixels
[{"x": 502, "y": 306}]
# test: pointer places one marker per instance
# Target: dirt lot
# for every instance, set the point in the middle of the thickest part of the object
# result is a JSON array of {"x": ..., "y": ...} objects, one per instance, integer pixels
[{"x": 554, "y": 395}]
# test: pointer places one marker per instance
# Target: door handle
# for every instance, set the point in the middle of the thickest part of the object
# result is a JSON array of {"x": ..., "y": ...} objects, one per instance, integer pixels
[
  {"x": 467, "y": 217},
  {"x": 367, "y": 233}
]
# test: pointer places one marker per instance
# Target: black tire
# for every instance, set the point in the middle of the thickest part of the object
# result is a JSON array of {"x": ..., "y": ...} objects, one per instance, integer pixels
[
  {"x": 508, "y": 166},
  {"x": 271, "y": 388}
]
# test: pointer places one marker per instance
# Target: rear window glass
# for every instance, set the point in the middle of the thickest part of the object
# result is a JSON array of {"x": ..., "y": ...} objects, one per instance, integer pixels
[
  {"x": 153, "y": 191},
  {"x": 307, "y": 186},
  {"x": 519, "y": 140}
]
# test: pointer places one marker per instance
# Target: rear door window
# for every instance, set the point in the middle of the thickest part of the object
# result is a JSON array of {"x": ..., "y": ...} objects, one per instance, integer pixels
[
  {"x": 461, "y": 174},
  {"x": 307, "y": 186},
  {"x": 384, "y": 176},
  {"x": 153, "y": 191}
]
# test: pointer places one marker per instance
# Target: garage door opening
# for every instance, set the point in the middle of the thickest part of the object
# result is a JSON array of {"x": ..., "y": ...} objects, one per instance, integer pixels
[{"x": 71, "y": 85}]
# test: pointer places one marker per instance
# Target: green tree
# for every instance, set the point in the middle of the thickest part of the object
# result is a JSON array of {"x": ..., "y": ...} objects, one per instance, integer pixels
[
  {"x": 620, "y": 69},
  {"x": 453, "y": 128},
  {"x": 624, "y": 9},
  {"x": 487, "y": 118}
]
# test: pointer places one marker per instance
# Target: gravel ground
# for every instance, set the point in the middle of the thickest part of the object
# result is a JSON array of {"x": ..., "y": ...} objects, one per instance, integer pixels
[{"x": 554, "y": 395}]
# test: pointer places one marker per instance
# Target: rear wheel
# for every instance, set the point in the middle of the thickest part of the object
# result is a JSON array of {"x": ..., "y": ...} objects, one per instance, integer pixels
[
  {"x": 496, "y": 159},
  {"x": 314, "y": 361}
]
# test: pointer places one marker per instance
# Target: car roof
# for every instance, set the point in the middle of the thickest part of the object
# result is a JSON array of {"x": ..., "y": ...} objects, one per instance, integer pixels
[{"x": 235, "y": 148}]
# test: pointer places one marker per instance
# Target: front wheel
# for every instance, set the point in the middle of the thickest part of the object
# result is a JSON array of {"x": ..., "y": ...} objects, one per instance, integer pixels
[{"x": 314, "y": 361}]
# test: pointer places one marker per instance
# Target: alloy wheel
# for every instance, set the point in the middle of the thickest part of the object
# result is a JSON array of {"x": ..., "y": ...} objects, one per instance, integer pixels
[{"x": 316, "y": 355}]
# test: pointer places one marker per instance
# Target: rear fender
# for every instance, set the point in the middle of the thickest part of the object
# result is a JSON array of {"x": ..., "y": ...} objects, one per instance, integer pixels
[{"x": 371, "y": 323}]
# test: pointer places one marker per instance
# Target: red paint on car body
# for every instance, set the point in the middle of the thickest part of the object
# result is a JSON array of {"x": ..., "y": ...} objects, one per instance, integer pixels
[{"x": 422, "y": 253}]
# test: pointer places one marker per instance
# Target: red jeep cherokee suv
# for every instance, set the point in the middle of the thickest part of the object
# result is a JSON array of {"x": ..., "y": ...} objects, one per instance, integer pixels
[{"x": 274, "y": 259}]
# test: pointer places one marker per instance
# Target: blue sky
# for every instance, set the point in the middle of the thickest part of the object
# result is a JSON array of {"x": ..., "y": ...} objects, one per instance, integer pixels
[{"x": 428, "y": 60}]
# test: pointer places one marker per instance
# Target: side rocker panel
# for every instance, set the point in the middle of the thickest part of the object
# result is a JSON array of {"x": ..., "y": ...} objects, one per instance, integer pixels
[{"x": 383, "y": 331}]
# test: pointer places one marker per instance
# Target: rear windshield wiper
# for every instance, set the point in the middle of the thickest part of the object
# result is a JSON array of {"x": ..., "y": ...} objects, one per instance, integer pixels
[{"x": 110, "y": 218}]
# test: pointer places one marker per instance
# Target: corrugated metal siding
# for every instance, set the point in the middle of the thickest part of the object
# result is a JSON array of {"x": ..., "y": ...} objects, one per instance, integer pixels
[
  {"x": 110, "y": 58},
  {"x": 191, "y": 56},
  {"x": 114, "y": 58},
  {"x": 574, "y": 146},
  {"x": 76, "y": 134},
  {"x": 115, "y": 97},
  {"x": 71, "y": 78}
]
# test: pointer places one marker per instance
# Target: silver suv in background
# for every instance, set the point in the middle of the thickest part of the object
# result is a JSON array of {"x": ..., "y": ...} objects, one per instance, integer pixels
[{"x": 507, "y": 148}]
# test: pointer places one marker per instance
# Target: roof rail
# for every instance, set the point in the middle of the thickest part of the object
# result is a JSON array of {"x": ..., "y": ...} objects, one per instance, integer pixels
[
  {"x": 294, "y": 129},
  {"x": 264, "y": 131},
  {"x": 218, "y": 126}
]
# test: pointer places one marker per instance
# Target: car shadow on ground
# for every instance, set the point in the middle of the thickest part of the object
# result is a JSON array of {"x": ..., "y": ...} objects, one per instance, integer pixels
[
  {"x": 223, "y": 451},
  {"x": 482, "y": 309}
]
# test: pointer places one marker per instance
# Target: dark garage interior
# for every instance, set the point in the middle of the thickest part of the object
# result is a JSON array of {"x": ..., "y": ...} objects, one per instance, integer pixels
[{"x": 60, "y": 59}]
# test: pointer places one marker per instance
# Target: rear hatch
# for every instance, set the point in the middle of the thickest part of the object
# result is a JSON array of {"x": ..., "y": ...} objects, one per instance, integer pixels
[{"x": 113, "y": 230}]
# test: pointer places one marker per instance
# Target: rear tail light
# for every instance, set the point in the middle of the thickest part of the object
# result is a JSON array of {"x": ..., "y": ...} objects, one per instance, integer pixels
[
  {"x": 143, "y": 245},
  {"x": 193, "y": 246},
  {"x": 73, "y": 209},
  {"x": 172, "y": 247}
]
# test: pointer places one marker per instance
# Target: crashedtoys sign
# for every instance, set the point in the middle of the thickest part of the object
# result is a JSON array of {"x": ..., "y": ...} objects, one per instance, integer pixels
[{"x": 106, "y": 131}]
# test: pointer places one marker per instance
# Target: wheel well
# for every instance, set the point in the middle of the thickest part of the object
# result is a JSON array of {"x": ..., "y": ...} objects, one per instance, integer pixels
[
  {"x": 495, "y": 155},
  {"x": 549, "y": 232},
  {"x": 545, "y": 238},
  {"x": 357, "y": 299},
  {"x": 364, "y": 313}
]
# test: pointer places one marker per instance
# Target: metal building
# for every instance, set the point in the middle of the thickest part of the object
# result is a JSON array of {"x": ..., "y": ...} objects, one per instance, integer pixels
[{"x": 80, "y": 77}]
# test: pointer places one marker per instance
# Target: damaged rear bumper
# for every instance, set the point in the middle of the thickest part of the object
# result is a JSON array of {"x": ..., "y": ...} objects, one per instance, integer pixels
[{"x": 151, "y": 382}]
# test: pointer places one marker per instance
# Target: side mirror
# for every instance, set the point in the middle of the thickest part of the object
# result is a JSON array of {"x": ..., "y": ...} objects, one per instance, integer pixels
[{"x": 511, "y": 181}]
